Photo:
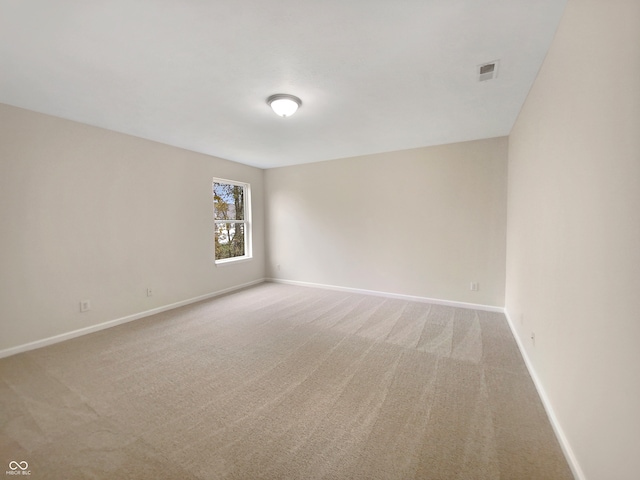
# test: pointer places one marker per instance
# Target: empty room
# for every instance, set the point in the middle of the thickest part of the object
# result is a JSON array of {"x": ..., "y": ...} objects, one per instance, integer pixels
[{"x": 320, "y": 240}]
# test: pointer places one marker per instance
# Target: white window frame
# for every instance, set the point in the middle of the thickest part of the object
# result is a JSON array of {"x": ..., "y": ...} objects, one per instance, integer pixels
[{"x": 247, "y": 222}]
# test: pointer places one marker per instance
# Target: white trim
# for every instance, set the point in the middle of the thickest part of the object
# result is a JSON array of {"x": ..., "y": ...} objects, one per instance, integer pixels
[
  {"x": 555, "y": 424},
  {"x": 118, "y": 321},
  {"x": 559, "y": 432},
  {"x": 449, "y": 303},
  {"x": 553, "y": 419},
  {"x": 231, "y": 261}
]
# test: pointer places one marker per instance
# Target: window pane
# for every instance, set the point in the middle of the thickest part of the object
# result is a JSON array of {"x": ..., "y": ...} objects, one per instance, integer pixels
[
  {"x": 228, "y": 201},
  {"x": 229, "y": 240}
]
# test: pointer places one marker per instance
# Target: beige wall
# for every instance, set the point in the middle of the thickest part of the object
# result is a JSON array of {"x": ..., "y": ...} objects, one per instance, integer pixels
[
  {"x": 573, "y": 255},
  {"x": 92, "y": 214},
  {"x": 423, "y": 222}
]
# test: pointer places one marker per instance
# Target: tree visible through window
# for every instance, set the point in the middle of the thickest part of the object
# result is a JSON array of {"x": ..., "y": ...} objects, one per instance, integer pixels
[{"x": 231, "y": 217}]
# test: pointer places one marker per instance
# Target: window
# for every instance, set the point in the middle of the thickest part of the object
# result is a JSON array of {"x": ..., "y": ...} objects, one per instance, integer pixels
[{"x": 232, "y": 216}]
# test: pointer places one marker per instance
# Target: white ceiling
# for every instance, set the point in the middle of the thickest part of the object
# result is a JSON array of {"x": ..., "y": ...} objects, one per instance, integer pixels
[{"x": 373, "y": 75}]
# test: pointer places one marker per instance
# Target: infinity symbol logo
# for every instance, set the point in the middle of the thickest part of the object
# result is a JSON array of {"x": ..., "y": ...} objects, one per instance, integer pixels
[{"x": 13, "y": 465}]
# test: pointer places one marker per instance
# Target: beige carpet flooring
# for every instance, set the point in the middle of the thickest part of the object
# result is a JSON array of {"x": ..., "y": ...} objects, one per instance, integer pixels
[{"x": 282, "y": 382}]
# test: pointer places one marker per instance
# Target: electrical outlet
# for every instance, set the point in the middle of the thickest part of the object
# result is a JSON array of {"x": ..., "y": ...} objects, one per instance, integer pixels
[
  {"x": 474, "y": 286},
  {"x": 85, "y": 305},
  {"x": 149, "y": 292},
  {"x": 278, "y": 267}
]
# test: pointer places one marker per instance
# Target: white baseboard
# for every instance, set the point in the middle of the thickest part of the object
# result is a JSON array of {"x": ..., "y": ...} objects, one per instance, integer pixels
[
  {"x": 562, "y": 438},
  {"x": 112, "y": 323},
  {"x": 553, "y": 419},
  {"x": 564, "y": 443},
  {"x": 473, "y": 306}
]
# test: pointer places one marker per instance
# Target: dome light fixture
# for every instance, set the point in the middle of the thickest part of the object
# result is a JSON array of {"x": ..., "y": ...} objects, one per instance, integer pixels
[{"x": 284, "y": 104}]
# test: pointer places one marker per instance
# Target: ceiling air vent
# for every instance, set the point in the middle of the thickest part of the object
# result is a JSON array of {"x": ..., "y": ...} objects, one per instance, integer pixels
[{"x": 487, "y": 71}]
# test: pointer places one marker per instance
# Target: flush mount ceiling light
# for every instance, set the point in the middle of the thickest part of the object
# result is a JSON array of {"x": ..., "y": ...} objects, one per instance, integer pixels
[{"x": 283, "y": 104}]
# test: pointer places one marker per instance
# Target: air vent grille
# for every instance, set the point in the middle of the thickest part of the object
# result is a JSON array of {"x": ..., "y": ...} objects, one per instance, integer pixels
[
  {"x": 487, "y": 68},
  {"x": 487, "y": 71}
]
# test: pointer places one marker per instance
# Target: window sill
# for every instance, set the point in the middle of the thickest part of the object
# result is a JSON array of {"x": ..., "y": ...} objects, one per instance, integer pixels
[{"x": 231, "y": 261}]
